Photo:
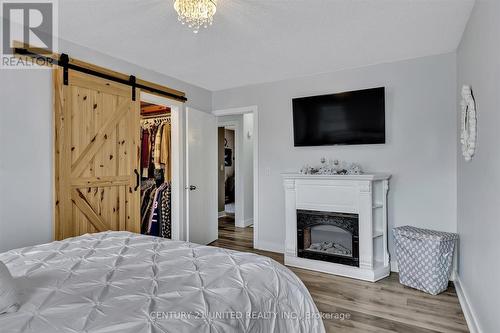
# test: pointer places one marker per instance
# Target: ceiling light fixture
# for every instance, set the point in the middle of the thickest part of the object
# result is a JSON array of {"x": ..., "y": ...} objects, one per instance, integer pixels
[{"x": 196, "y": 13}]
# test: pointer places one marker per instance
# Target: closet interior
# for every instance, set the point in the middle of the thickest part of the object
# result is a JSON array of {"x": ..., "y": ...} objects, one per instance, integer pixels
[{"x": 155, "y": 170}]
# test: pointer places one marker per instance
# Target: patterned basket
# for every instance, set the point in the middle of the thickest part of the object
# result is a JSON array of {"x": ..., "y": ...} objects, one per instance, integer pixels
[{"x": 424, "y": 258}]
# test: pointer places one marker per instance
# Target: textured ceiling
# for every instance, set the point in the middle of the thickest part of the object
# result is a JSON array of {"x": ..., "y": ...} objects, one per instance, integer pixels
[{"x": 255, "y": 41}]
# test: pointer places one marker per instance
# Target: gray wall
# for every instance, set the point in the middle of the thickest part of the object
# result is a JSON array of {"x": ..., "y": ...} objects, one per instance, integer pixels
[
  {"x": 25, "y": 158},
  {"x": 479, "y": 180},
  {"x": 26, "y": 148},
  {"x": 420, "y": 152}
]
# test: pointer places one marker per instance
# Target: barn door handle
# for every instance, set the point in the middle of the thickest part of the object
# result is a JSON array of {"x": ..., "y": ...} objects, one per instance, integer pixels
[{"x": 137, "y": 179}]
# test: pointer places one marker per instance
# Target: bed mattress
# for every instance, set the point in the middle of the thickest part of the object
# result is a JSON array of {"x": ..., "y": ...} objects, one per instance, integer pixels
[{"x": 125, "y": 282}]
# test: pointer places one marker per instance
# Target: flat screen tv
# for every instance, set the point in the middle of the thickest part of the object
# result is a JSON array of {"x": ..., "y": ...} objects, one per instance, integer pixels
[{"x": 349, "y": 118}]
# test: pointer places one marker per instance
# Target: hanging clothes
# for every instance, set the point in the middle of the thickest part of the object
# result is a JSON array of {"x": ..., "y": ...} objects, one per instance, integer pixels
[
  {"x": 156, "y": 189},
  {"x": 153, "y": 130},
  {"x": 146, "y": 187},
  {"x": 165, "y": 151},
  {"x": 153, "y": 216},
  {"x": 160, "y": 219},
  {"x": 165, "y": 218},
  {"x": 145, "y": 148},
  {"x": 148, "y": 190},
  {"x": 145, "y": 151},
  {"x": 157, "y": 147}
]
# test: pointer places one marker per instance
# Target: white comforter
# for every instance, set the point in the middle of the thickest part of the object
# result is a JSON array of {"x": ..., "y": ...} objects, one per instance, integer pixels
[{"x": 129, "y": 283}]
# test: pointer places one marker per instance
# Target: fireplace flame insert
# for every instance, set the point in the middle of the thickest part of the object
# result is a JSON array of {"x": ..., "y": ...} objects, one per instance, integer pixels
[{"x": 327, "y": 236}]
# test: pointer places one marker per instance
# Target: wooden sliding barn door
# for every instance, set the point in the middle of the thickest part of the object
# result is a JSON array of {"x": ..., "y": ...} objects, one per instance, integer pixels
[{"x": 96, "y": 156}]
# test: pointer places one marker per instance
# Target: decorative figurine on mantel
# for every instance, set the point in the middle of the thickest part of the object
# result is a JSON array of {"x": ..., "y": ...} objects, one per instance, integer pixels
[{"x": 332, "y": 167}]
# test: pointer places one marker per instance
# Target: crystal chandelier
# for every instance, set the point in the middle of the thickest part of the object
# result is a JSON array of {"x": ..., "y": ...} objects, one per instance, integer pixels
[{"x": 196, "y": 13}]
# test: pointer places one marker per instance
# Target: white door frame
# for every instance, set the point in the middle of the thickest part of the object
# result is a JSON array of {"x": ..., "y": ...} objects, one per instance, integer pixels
[
  {"x": 177, "y": 171},
  {"x": 237, "y": 111}
]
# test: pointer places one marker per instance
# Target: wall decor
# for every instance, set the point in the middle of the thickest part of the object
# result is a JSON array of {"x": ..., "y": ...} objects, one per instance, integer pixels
[
  {"x": 468, "y": 134},
  {"x": 332, "y": 167}
]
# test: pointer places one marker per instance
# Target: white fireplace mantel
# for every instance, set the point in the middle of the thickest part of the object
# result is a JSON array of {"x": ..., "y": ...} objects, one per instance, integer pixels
[{"x": 365, "y": 195}]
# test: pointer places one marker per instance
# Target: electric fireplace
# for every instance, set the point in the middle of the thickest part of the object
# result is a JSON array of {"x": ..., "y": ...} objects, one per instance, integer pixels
[
  {"x": 327, "y": 236},
  {"x": 337, "y": 224}
]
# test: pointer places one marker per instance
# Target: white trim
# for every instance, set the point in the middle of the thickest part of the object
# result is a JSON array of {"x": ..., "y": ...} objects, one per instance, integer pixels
[
  {"x": 235, "y": 111},
  {"x": 378, "y": 272},
  {"x": 243, "y": 223},
  {"x": 269, "y": 246},
  {"x": 394, "y": 266},
  {"x": 222, "y": 214},
  {"x": 256, "y": 218},
  {"x": 256, "y": 179},
  {"x": 470, "y": 315},
  {"x": 178, "y": 202},
  {"x": 373, "y": 176},
  {"x": 186, "y": 178},
  {"x": 214, "y": 211}
]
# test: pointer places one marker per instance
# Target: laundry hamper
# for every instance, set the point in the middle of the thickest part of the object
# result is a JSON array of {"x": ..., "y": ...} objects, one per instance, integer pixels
[{"x": 424, "y": 258}]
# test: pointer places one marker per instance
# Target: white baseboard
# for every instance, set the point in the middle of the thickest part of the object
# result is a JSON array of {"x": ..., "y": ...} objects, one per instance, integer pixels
[
  {"x": 453, "y": 276},
  {"x": 470, "y": 315},
  {"x": 247, "y": 222},
  {"x": 222, "y": 214},
  {"x": 243, "y": 223},
  {"x": 394, "y": 266},
  {"x": 270, "y": 246}
]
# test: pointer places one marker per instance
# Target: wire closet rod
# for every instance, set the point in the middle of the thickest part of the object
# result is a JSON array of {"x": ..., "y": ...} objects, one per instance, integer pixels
[
  {"x": 147, "y": 122},
  {"x": 63, "y": 61},
  {"x": 155, "y": 117}
]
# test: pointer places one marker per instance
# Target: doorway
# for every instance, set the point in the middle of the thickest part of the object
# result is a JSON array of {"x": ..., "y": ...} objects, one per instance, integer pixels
[
  {"x": 97, "y": 178},
  {"x": 237, "y": 176},
  {"x": 160, "y": 171},
  {"x": 227, "y": 175}
]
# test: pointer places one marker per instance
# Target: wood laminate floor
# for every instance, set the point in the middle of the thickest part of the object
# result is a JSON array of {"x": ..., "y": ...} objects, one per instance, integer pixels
[{"x": 385, "y": 306}]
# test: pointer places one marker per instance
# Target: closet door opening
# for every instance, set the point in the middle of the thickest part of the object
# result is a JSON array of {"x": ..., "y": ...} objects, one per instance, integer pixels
[
  {"x": 159, "y": 167},
  {"x": 98, "y": 154}
]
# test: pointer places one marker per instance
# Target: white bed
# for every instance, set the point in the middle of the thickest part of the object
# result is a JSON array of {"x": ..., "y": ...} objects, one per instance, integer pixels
[{"x": 130, "y": 283}]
